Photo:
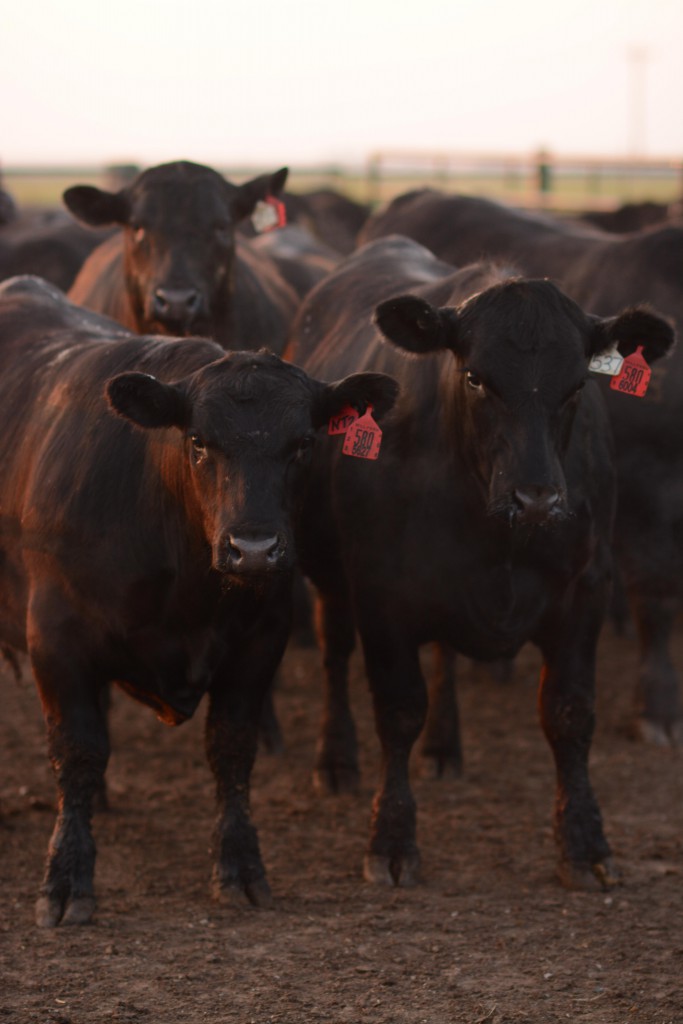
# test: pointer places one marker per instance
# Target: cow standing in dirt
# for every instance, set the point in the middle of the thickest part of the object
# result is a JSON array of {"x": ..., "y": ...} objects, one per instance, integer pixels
[
  {"x": 484, "y": 523},
  {"x": 604, "y": 273},
  {"x": 148, "y": 490}
]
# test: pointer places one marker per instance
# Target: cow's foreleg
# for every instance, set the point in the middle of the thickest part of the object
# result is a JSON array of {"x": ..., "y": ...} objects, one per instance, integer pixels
[
  {"x": 79, "y": 750},
  {"x": 566, "y": 699},
  {"x": 232, "y": 727},
  {"x": 400, "y": 703}
]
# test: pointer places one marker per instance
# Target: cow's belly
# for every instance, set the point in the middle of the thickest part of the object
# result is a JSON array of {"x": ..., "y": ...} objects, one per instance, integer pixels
[{"x": 488, "y": 613}]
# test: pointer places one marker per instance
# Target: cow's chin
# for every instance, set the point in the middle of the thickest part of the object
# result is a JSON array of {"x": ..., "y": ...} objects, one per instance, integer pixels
[
  {"x": 507, "y": 510},
  {"x": 257, "y": 582},
  {"x": 199, "y": 327}
]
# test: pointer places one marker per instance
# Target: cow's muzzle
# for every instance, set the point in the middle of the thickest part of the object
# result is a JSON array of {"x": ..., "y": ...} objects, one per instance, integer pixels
[
  {"x": 177, "y": 307},
  {"x": 538, "y": 505},
  {"x": 241, "y": 554}
]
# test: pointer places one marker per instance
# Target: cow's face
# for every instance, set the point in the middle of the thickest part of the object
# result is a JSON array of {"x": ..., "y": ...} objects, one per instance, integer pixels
[
  {"x": 248, "y": 423},
  {"x": 522, "y": 350},
  {"x": 179, "y": 224}
]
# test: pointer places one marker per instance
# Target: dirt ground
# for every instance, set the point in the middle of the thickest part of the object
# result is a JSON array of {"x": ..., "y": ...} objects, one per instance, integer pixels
[{"x": 489, "y": 936}]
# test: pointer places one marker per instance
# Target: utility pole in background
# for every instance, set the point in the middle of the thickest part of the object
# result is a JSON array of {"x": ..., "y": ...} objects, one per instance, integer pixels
[{"x": 638, "y": 57}]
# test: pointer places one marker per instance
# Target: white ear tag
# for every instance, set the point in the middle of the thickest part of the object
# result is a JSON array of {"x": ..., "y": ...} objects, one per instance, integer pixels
[
  {"x": 609, "y": 362},
  {"x": 268, "y": 214}
]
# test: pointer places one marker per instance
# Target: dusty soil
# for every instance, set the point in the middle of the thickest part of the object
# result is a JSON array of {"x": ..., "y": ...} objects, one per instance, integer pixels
[{"x": 488, "y": 937}]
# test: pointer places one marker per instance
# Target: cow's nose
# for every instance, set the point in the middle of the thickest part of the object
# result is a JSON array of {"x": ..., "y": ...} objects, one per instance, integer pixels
[
  {"x": 537, "y": 503},
  {"x": 262, "y": 554},
  {"x": 176, "y": 304}
]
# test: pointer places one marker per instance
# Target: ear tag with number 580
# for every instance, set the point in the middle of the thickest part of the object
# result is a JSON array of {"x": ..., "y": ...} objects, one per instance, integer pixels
[
  {"x": 634, "y": 377},
  {"x": 363, "y": 438}
]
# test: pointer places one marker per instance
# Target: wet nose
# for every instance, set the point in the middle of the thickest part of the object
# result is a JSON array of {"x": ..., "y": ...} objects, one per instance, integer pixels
[
  {"x": 255, "y": 554},
  {"x": 537, "y": 503},
  {"x": 176, "y": 304}
]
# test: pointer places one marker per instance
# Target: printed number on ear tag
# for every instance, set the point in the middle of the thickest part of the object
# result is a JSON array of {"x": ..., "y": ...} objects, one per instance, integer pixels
[
  {"x": 340, "y": 424},
  {"x": 609, "y": 362},
  {"x": 634, "y": 377},
  {"x": 269, "y": 213},
  {"x": 363, "y": 438}
]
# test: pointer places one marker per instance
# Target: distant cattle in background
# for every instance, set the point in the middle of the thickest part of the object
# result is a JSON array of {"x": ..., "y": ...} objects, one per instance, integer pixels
[
  {"x": 149, "y": 490},
  {"x": 177, "y": 267},
  {"x": 48, "y": 243},
  {"x": 484, "y": 521},
  {"x": 8, "y": 207},
  {"x": 302, "y": 259},
  {"x": 604, "y": 273},
  {"x": 632, "y": 216}
]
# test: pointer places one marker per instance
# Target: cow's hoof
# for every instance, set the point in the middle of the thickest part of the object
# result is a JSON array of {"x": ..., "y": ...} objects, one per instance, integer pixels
[
  {"x": 259, "y": 894},
  {"x": 600, "y": 877},
  {"x": 79, "y": 910},
  {"x": 403, "y": 871},
  {"x": 48, "y": 912},
  {"x": 252, "y": 894},
  {"x": 331, "y": 781},
  {"x": 435, "y": 766},
  {"x": 655, "y": 734}
]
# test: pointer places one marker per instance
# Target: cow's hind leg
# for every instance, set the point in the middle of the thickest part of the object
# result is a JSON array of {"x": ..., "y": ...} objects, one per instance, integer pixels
[
  {"x": 336, "y": 763},
  {"x": 441, "y": 745},
  {"x": 659, "y": 718}
]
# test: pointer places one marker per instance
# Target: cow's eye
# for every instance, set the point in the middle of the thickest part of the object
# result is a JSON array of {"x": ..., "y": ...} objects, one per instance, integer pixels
[
  {"x": 198, "y": 446},
  {"x": 304, "y": 447},
  {"x": 474, "y": 381}
]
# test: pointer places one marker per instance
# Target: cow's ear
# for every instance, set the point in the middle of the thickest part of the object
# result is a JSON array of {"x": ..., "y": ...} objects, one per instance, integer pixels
[
  {"x": 96, "y": 207},
  {"x": 247, "y": 195},
  {"x": 358, "y": 390},
  {"x": 637, "y": 326},
  {"x": 413, "y": 324},
  {"x": 147, "y": 401}
]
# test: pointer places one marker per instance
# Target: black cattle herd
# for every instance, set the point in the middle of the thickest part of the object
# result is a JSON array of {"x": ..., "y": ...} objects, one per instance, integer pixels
[{"x": 464, "y": 429}]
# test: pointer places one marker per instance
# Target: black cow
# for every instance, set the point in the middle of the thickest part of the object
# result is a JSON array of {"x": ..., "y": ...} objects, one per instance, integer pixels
[
  {"x": 484, "y": 523},
  {"x": 603, "y": 273},
  {"x": 302, "y": 260},
  {"x": 177, "y": 267},
  {"x": 631, "y": 216},
  {"x": 152, "y": 548},
  {"x": 48, "y": 243}
]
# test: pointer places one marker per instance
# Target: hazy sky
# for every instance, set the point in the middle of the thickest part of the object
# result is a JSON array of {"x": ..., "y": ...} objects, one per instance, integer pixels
[{"x": 307, "y": 81}]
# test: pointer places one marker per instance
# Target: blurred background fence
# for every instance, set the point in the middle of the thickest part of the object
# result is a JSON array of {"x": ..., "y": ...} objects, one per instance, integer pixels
[{"x": 541, "y": 179}]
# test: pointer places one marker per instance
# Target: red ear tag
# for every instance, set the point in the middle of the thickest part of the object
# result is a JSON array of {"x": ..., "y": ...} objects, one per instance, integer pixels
[
  {"x": 363, "y": 438},
  {"x": 269, "y": 213},
  {"x": 634, "y": 377},
  {"x": 340, "y": 423}
]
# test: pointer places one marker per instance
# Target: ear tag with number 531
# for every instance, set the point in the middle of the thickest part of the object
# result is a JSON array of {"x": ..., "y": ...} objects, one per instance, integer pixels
[{"x": 609, "y": 362}]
